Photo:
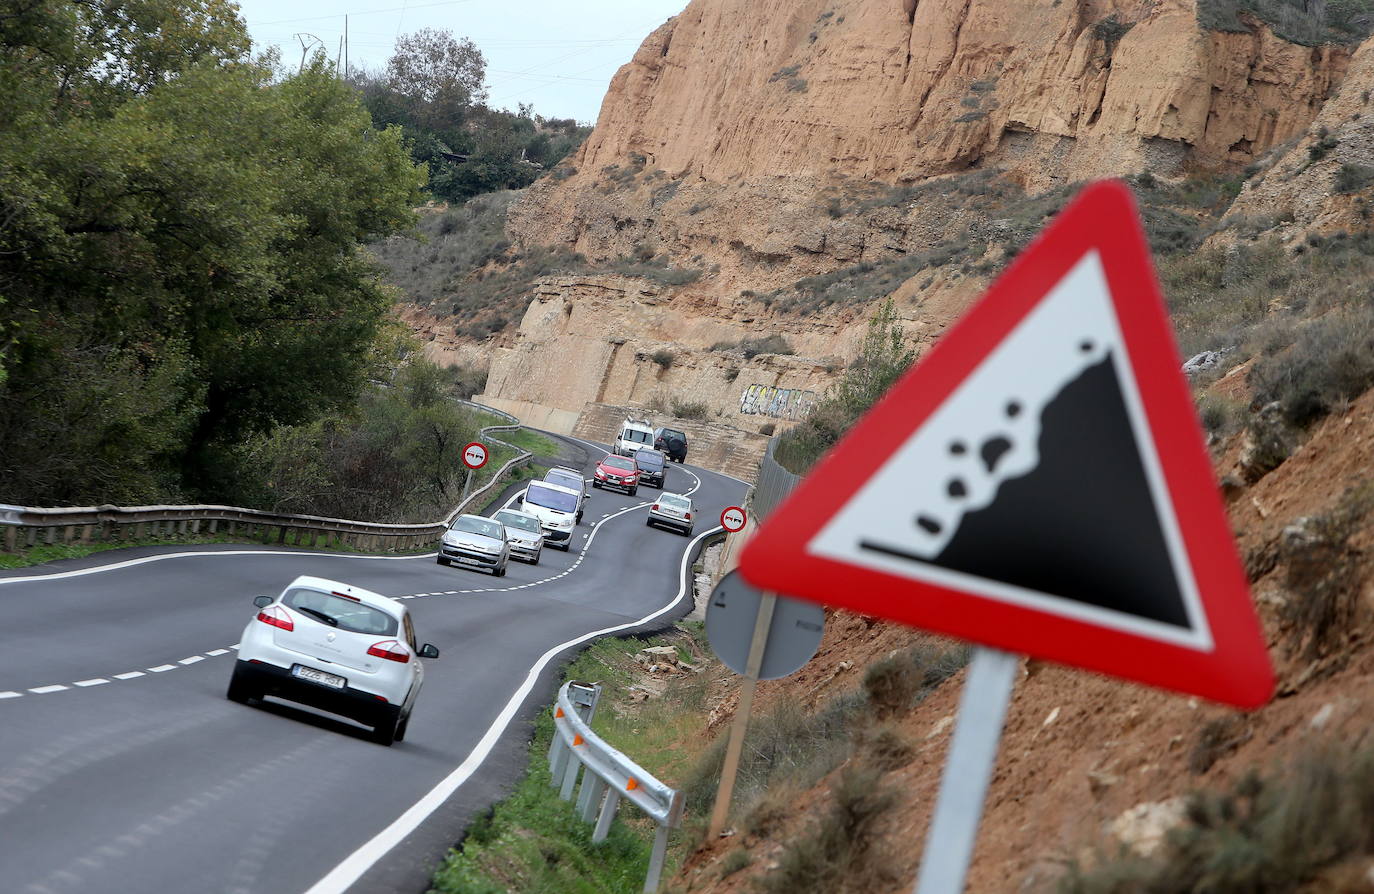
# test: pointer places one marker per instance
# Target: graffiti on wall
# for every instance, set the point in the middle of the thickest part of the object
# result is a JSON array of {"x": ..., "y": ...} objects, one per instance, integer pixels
[{"x": 781, "y": 403}]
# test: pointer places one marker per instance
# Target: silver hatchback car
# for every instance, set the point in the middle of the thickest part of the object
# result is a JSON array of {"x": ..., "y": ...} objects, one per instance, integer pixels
[
  {"x": 672, "y": 511},
  {"x": 477, "y": 542}
]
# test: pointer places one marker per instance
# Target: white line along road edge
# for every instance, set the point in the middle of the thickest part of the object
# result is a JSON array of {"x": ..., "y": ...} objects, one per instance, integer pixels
[{"x": 341, "y": 877}]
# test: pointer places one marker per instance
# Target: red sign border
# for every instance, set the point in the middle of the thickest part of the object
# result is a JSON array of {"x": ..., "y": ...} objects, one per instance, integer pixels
[
  {"x": 486, "y": 455},
  {"x": 742, "y": 525},
  {"x": 1103, "y": 217}
]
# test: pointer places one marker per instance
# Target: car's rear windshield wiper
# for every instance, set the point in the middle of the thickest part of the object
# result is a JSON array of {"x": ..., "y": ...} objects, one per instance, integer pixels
[{"x": 328, "y": 619}]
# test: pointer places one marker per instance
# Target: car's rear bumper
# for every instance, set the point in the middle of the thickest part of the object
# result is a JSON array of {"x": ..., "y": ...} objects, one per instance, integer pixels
[
  {"x": 268, "y": 679},
  {"x": 557, "y": 535},
  {"x": 669, "y": 521}
]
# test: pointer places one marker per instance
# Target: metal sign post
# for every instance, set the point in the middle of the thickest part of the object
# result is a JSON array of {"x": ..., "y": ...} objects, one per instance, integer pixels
[
  {"x": 968, "y": 769},
  {"x": 762, "y": 623}
]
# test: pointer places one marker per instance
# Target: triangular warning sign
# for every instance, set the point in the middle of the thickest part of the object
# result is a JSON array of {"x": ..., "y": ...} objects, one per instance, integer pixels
[{"x": 1039, "y": 483}]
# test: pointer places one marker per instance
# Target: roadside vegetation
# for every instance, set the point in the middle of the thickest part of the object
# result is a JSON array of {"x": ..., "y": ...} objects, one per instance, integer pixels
[
  {"x": 178, "y": 269},
  {"x": 534, "y": 842}
]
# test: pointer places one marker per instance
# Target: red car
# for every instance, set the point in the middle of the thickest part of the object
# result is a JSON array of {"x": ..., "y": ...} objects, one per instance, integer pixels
[{"x": 618, "y": 472}]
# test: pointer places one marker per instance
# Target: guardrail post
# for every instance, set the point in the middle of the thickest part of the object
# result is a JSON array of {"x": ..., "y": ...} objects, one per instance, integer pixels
[
  {"x": 569, "y": 777},
  {"x": 589, "y": 799},
  {"x": 656, "y": 860},
  {"x": 603, "y": 822}
]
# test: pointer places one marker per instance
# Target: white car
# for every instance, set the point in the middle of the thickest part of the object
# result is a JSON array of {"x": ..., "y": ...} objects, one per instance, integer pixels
[
  {"x": 556, "y": 508},
  {"x": 335, "y": 647},
  {"x": 672, "y": 511},
  {"x": 523, "y": 533},
  {"x": 476, "y": 541},
  {"x": 634, "y": 434}
]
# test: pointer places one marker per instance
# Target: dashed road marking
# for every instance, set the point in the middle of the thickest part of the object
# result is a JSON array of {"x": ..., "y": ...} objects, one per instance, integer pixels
[
  {"x": 44, "y": 690},
  {"x": 162, "y": 668},
  {"x": 130, "y": 675},
  {"x": 192, "y": 660},
  {"x": 10, "y": 694},
  {"x": 92, "y": 682},
  {"x": 215, "y": 653}
]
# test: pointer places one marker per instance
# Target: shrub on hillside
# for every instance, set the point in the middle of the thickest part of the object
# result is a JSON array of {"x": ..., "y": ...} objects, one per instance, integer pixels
[
  {"x": 1331, "y": 362},
  {"x": 684, "y": 409},
  {"x": 1264, "y": 835},
  {"x": 883, "y": 357}
]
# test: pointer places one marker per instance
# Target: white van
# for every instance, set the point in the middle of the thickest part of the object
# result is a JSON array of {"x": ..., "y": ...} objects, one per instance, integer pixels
[
  {"x": 634, "y": 434},
  {"x": 556, "y": 508}
]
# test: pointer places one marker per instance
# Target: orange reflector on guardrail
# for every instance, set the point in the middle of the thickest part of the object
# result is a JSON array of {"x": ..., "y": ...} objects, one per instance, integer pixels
[
  {"x": 631, "y": 784},
  {"x": 558, "y": 712},
  {"x": 577, "y": 739}
]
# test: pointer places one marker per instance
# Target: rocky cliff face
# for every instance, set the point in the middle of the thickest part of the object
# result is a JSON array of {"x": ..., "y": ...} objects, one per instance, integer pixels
[{"x": 762, "y": 141}]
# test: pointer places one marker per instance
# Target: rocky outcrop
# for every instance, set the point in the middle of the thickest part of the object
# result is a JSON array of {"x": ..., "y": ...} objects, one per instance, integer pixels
[
  {"x": 761, "y": 141},
  {"x": 745, "y": 106},
  {"x": 1321, "y": 181}
]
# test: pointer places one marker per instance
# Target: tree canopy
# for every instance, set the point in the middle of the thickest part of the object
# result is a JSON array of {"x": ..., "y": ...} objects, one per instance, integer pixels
[
  {"x": 433, "y": 87},
  {"x": 179, "y": 231}
]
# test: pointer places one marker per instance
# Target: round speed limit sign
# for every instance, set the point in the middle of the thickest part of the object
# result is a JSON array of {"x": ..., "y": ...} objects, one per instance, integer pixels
[
  {"x": 732, "y": 519},
  {"x": 475, "y": 455}
]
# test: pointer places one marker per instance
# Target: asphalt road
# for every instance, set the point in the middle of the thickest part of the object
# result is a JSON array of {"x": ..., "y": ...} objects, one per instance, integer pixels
[{"x": 123, "y": 768}]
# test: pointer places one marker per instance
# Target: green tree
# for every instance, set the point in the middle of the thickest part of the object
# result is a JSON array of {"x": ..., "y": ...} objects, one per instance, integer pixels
[{"x": 178, "y": 244}]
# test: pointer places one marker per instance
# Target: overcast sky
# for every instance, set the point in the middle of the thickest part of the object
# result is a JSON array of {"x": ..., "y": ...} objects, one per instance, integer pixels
[{"x": 557, "y": 55}]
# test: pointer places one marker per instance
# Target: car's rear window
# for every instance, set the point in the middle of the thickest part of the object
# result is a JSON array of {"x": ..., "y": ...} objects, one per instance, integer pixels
[
  {"x": 672, "y": 434},
  {"x": 647, "y": 459},
  {"x": 675, "y": 501},
  {"x": 345, "y": 614},
  {"x": 638, "y": 437}
]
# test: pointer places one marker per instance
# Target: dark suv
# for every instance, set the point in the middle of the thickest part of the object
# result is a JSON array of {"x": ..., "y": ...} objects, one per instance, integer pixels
[
  {"x": 672, "y": 442},
  {"x": 652, "y": 466}
]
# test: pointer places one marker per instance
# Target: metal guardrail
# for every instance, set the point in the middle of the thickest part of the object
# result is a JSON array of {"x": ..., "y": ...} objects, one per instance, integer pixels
[
  {"x": 774, "y": 483},
  {"x": 26, "y": 526},
  {"x": 609, "y": 776}
]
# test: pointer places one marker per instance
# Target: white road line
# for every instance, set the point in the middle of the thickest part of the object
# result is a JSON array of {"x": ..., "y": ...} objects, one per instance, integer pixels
[
  {"x": 11, "y": 694},
  {"x": 341, "y": 877},
  {"x": 130, "y": 675},
  {"x": 44, "y": 690},
  {"x": 192, "y": 660},
  {"x": 215, "y": 653},
  {"x": 93, "y": 682},
  {"x": 162, "y": 667}
]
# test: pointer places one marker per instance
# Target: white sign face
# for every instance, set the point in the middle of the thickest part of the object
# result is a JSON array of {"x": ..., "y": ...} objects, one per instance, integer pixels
[
  {"x": 905, "y": 517},
  {"x": 474, "y": 456},
  {"x": 732, "y": 519}
]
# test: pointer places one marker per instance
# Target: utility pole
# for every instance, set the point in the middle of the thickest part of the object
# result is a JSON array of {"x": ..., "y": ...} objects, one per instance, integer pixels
[{"x": 345, "y": 48}]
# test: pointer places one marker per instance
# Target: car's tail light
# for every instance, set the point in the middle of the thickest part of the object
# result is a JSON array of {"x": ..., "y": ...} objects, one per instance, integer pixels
[
  {"x": 389, "y": 649},
  {"x": 653, "y": 508},
  {"x": 687, "y": 515},
  {"x": 277, "y": 617}
]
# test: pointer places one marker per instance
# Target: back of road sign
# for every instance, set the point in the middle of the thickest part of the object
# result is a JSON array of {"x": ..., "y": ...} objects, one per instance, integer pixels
[{"x": 1038, "y": 482}]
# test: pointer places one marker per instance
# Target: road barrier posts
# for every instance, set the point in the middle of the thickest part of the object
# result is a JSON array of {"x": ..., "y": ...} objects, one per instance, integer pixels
[{"x": 609, "y": 776}]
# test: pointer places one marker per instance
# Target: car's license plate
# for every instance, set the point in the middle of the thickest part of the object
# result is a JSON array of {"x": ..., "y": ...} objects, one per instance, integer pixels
[
  {"x": 318, "y": 676},
  {"x": 469, "y": 560}
]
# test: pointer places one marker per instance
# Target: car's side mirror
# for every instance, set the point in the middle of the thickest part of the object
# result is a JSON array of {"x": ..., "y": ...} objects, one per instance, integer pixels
[
  {"x": 428, "y": 651},
  {"x": 262, "y": 601}
]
